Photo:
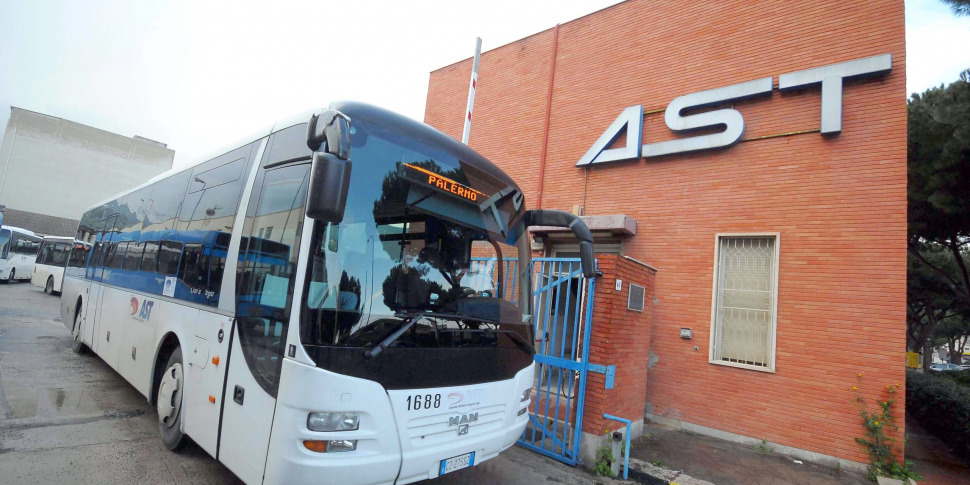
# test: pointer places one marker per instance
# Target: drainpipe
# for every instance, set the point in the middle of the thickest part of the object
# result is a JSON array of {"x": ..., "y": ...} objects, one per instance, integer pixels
[
  {"x": 626, "y": 451},
  {"x": 545, "y": 129}
]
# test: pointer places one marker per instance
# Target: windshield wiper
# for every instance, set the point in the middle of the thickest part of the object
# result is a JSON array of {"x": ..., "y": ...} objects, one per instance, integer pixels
[
  {"x": 370, "y": 354},
  {"x": 379, "y": 348},
  {"x": 414, "y": 317}
]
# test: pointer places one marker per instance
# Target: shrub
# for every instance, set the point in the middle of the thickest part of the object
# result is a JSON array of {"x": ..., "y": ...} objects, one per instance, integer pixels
[
  {"x": 941, "y": 406},
  {"x": 960, "y": 377},
  {"x": 882, "y": 448}
]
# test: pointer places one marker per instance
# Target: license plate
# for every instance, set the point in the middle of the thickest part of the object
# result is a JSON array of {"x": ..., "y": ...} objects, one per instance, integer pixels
[{"x": 457, "y": 463}]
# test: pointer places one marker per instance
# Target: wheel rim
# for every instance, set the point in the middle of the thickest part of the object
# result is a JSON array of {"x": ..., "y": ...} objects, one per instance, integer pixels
[
  {"x": 170, "y": 395},
  {"x": 50, "y": 286},
  {"x": 77, "y": 326}
]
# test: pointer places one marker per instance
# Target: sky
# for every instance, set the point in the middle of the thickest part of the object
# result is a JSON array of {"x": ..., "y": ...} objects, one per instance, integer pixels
[{"x": 201, "y": 75}]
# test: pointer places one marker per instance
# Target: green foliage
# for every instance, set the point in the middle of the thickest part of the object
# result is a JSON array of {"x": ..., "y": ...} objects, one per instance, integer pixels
[
  {"x": 604, "y": 462},
  {"x": 959, "y": 7},
  {"x": 941, "y": 405},
  {"x": 657, "y": 463},
  {"x": 763, "y": 447},
  {"x": 938, "y": 160},
  {"x": 961, "y": 378},
  {"x": 881, "y": 448}
]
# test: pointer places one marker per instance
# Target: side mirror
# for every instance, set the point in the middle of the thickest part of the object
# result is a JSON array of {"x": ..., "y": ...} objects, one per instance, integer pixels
[
  {"x": 333, "y": 128},
  {"x": 556, "y": 218},
  {"x": 329, "y": 184}
]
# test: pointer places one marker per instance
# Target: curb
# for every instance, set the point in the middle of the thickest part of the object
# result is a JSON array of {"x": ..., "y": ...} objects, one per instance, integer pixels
[{"x": 643, "y": 472}]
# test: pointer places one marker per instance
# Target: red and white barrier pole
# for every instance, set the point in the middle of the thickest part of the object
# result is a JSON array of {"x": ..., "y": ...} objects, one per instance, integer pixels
[{"x": 471, "y": 91}]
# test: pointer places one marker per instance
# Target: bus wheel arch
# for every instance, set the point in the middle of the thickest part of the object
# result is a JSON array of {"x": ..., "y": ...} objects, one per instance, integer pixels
[
  {"x": 166, "y": 395},
  {"x": 77, "y": 345}
]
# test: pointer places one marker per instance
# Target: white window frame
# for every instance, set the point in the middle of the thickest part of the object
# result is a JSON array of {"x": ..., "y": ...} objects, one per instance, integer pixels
[{"x": 714, "y": 337}]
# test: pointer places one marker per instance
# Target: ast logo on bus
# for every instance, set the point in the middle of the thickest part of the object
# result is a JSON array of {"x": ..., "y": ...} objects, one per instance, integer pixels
[
  {"x": 142, "y": 312},
  {"x": 468, "y": 398}
]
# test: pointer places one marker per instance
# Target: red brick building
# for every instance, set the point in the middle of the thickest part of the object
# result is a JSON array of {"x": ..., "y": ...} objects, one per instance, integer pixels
[{"x": 784, "y": 253}]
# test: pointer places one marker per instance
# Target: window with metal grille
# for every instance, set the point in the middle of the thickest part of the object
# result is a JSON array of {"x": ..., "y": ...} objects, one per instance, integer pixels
[
  {"x": 635, "y": 299},
  {"x": 745, "y": 292}
]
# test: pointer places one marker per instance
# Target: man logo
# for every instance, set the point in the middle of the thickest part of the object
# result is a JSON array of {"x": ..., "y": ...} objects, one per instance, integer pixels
[
  {"x": 463, "y": 429},
  {"x": 462, "y": 420}
]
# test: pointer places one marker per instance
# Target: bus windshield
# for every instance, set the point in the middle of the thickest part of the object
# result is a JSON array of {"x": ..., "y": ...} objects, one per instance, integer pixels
[{"x": 424, "y": 244}]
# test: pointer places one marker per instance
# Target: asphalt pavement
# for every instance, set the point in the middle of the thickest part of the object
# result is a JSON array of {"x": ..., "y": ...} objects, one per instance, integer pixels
[{"x": 68, "y": 418}]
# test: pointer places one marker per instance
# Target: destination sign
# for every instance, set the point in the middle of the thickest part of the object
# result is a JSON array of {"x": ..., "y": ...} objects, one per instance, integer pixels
[{"x": 446, "y": 184}]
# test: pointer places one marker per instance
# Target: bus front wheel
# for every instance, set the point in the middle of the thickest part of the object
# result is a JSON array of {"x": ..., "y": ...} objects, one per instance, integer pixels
[
  {"x": 169, "y": 402},
  {"x": 49, "y": 288},
  {"x": 78, "y": 346}
]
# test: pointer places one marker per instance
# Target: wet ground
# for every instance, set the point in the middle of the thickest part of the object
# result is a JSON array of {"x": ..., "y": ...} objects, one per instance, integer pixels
[
  {"x": 67, "y": 418},
  {"x": 725, "y": 463}
]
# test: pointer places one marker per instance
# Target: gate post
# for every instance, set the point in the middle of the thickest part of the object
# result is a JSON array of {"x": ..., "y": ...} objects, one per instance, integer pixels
[{"x": 620, "y": 337}]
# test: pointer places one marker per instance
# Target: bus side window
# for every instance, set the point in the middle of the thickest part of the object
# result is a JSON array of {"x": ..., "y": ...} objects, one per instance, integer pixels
[
  {"x": 133, "y": 258},
  {"x": 59, "y": 254},
  {"x": 118, "y": 251},
  {"x": 217, "y": 266},
  {"x": 148, "y": 260},
  {"x": 44, "y": 254},
  {"x": 168, "y": 257},
  {"x": 79, "y": 255},
  {"x": 191, "y": 271}
]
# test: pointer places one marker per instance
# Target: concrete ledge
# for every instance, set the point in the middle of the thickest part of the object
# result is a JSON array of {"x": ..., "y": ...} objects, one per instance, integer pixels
[
  {"x": 644, "y": 472},
  {"x": 796, "y": 453}
]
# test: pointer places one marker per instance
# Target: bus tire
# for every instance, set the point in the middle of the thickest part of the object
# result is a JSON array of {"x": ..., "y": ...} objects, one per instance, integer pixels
[
  {"x": 49, "y": 287},
  {"x": 168, "y": 402},
  {"x": 10, "y": 277},
  {"x": 78, "y": 346}
]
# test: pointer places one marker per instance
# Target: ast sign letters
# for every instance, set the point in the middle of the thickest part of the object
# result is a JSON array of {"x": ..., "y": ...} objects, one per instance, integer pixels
[{"x": 631, "y": 119}]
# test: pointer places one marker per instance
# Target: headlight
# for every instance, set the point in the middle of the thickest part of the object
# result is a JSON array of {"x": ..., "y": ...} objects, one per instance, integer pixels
[
  {"x": 334, "y": 446},
  {"x": 526, "y": 394},
  {"x": 332, "y": 421}
]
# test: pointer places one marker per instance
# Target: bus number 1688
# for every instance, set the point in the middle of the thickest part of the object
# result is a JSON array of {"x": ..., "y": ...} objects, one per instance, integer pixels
[{"x": 424, "y": 401}]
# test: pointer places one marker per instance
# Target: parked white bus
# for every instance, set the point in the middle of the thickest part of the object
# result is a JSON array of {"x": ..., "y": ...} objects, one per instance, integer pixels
[
  {"x": 50, "y": 263},
  {"x": 18, "y": 249},
  {"x": 304, "y": 322}
]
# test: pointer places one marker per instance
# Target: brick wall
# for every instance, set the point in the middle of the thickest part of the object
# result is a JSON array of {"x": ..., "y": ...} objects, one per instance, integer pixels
[
  {"x": 838, "y": 203},
  {"x": 619, "y": 337}
]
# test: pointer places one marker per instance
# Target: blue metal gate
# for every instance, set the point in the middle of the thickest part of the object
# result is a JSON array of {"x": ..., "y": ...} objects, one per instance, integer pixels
[{"x": 563, "y": 311}]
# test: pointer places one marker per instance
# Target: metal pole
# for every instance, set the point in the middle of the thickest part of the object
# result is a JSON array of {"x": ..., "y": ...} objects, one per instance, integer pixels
[{"x": 471, "y": 91}]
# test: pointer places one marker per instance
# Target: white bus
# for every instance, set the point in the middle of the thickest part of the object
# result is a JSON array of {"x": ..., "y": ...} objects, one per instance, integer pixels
[
  {"x": 50, "y": 263},
  {"x": 308, "y": 319},
  {"x": 18, "y": 249}
]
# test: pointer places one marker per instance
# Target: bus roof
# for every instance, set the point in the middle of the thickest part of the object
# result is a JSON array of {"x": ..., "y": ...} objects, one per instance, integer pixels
[
  {"x": 417, "y": 129},
  {"x": 20, "y": 230}
]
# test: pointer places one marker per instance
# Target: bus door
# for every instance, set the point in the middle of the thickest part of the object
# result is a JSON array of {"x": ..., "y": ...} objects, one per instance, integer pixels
[
  {"x": 96, "y": 271},
  {"x": 264, "y": 291}
]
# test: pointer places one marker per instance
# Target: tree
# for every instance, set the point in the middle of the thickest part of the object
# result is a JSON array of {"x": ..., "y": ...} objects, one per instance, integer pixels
[
  {"x": 954, "y": 332},
  {"x": 939, "y": 207},
  {"x": 931, "y": 304},
  {"x": 959, "y": 7}
]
